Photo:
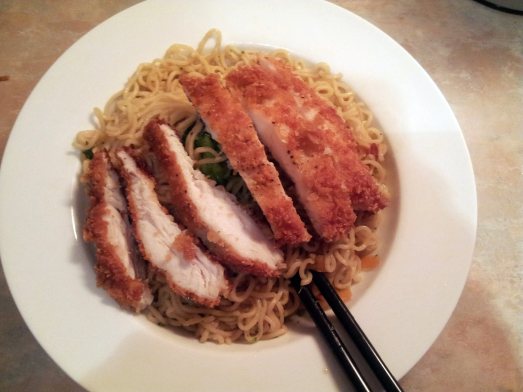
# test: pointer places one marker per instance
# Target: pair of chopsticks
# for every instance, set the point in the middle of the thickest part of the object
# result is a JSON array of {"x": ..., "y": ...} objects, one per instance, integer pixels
[{"x": 343, "y": 355}]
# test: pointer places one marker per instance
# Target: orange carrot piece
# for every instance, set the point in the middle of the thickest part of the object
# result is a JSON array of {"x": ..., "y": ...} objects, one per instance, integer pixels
[{"x": 370, "y": 262}]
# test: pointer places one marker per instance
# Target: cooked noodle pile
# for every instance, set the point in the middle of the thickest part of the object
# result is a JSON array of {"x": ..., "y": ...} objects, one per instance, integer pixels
[{"x": 256, "y": 308}]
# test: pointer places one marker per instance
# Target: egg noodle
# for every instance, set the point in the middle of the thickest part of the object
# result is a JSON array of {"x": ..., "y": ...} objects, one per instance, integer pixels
[{"x": 255, "y": 308}]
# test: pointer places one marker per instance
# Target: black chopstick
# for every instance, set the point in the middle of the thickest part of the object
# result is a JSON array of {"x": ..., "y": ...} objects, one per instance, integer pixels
[
  {"x": 355, "y": 332},
  {"x": 329, "y": 333},
  {"x": 350, "y": 325}
]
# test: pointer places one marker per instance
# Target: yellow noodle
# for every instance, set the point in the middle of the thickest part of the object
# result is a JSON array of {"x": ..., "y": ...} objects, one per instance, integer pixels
[{"x": 255, "y": 308}]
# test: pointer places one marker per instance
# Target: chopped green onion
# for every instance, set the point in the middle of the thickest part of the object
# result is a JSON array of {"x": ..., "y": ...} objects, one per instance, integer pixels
[
  {"x": 88, "y": 153},
  {"x": 219, "y": 172},
  {"x": 204, "y": 139}
]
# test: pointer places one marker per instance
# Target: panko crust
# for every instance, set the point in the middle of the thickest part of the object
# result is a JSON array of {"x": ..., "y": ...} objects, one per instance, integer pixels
[
  {"x": 235, "y": 132},
  {"x": 111, "y": 275},
  {"x": 365, "y": 193},
  {"x": 187, "y": 213},
  {"x": 323, "y": 193},
  {"x": 187, "y": 243}
]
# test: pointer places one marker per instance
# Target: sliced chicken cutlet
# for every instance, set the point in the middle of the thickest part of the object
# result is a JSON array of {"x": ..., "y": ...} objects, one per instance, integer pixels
[
  {"x": 189, "y": 272},
  {"x": 210, "y": 212},
  {"x": 299, "y": 147},
  {"x": 119, "y": 270},
  {"x": 228, "y": 123},
  {"x": 366, "y": 193}
]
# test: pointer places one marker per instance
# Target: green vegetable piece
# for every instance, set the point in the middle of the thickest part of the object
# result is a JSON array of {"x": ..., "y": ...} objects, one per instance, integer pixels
[
  {"x": 205, "y": 140},
  {"x": 88, "y": 153},
  {"x": 218, "y": 172}
]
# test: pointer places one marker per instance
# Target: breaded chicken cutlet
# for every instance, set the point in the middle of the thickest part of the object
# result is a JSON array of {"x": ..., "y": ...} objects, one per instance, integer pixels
[
  {"x": 173, "y": 252},
  {"x": 119, "y": 270},
  {"x": 366, "y": 194},
  {"x": 230, "y": 126},
  {"x": 299, "y": 146},
  {"x": 210, "y": 212}
]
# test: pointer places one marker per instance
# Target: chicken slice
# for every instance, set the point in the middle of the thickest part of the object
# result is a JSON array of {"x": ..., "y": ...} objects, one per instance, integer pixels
[
  {"x": 119, "y": 270},
  {"x": 227, "y": 121},
  {"x": 366, "y": 194},
  {"x": 188, "y": 270},
  {"x": 210, "y": 212},
  {"x": 300, "y": 147}
]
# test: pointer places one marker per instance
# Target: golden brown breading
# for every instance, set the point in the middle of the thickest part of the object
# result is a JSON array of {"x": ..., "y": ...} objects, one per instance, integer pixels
[
  {"x": 187, "y": 213},
  {"x": 185, "y": 244},
  {"x": 111, "y": 274},
  {"x": 298, "y": 146},
  {"x": 365, "y": 192},
  {"x": 182, "y": 241},
  {"x": 233, "y": 129}
]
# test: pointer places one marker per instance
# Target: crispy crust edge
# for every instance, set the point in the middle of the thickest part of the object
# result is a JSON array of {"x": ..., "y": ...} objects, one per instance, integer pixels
[
  {"x": 110, "y": 274},
  {"x": 187, "y": 213},
  {"x": 326, "y": 200},
  {"x": 238, "y": 139},
  {"x": 133, "y": 210},
  {"x": 365, "y": 193}
]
